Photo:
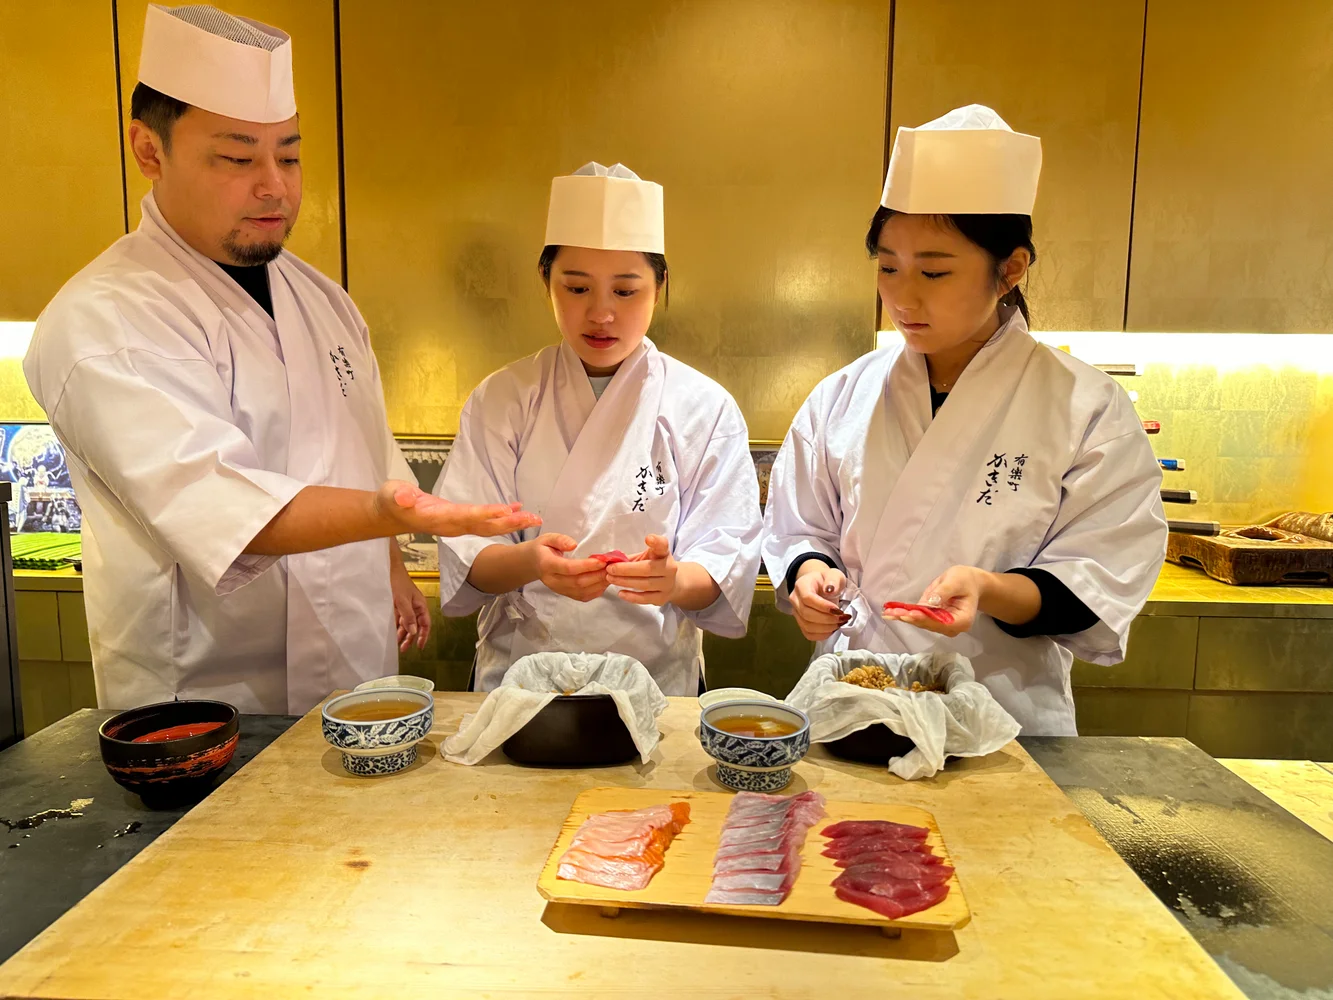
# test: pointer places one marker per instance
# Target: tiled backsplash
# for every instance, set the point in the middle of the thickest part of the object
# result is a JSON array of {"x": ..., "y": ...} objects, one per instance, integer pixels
[
  {"x": 1256, "y": 442},
  {"x": 1250, "y": 414}
]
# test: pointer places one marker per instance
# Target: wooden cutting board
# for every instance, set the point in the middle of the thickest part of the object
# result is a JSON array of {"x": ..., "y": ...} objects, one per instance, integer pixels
[
  {"x": 1288, "y": 558},
  {"x": 688, "y": 871},
  {"x": 296, "y": 879}
]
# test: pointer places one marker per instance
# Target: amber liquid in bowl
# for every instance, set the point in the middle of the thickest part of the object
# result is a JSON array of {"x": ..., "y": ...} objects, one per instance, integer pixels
[
  {"x": 381, "y": 710},
  {"x": 754, "y": 726}
]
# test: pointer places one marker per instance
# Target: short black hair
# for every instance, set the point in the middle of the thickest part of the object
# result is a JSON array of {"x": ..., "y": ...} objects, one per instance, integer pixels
[
  {"x": 656, "y": 261},
  {"x": 998, "y": 235},
  {"x": 156, "y": 110}
]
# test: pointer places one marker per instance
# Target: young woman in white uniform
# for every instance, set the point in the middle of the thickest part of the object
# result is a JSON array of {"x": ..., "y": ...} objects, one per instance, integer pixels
[
  {"x": 969, "y": 468},
  {"x": 617, "y": 447}
]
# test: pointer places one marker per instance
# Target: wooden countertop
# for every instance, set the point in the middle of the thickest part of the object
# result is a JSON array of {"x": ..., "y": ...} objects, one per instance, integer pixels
[
  {"x": 295, "y": 878},
  {"x": 1302, "y": 787},
  {"x": 1183, "y": 590}
]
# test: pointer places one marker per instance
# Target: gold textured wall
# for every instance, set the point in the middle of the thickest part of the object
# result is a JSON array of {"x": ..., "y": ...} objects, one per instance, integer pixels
[
  {"x": 1233, "y": 224},
  {"x": 1068, "y": 72},
  {"x": 317, "y": 237},
  {"x": 763, "y": 119},
  {"x": 59, "y": 149}
]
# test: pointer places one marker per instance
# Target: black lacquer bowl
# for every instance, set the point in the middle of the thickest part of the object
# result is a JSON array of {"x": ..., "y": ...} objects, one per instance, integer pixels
[
  {"x": 578, "y": 730},
  {"x": 170, "y": 752},
  {"x": 876, "y": 744}
]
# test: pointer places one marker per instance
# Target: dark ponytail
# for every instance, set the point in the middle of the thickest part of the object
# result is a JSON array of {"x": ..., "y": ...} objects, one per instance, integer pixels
[{"x": 998, "y": 235}]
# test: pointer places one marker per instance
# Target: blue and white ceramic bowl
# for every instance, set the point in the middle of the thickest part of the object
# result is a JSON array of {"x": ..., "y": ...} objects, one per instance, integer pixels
[
  {"x": 383, "y": 747},
  {"x": 754, "y": 763}
]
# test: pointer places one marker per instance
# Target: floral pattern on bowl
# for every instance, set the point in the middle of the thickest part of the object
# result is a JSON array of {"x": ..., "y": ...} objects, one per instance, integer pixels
[
  {"x": 759, "y": 763},
  {"x": 741, "y": 779},
  {"x": 378, "y": 736},
  {"x": 384, "y": 763}
]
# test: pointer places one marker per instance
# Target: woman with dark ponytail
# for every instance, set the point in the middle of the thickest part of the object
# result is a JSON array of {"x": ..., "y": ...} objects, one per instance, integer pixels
[{"x": 970, "y": 468}]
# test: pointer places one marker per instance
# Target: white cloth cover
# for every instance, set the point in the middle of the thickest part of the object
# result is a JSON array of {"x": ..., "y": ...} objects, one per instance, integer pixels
[
  {"x": 228, "y": 65},
  {"x": 606, "y": 208},
  {"x": 967, "y": 162},
  {"x": 535, "y": 680},
  {"x": 965, "y": 721}
]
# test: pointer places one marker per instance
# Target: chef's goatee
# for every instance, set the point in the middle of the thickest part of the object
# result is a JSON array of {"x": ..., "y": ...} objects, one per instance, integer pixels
[{"x": 253, "y": 254}]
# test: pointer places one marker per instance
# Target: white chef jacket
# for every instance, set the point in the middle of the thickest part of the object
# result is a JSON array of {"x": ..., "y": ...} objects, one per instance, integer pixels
[
  {"x": 664, "y": 451},
  {"x": 190, "y": 418},
  {"x": 1034, "y": 460}
]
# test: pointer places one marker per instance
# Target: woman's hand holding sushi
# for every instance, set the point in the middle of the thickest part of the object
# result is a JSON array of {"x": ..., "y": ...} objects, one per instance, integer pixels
[
  {"x": 956, "y": 590},
  {"x": 578, "y": 579},
  {"x": 649, "y": 577},
  {"x": 814, "y": 600},
  {"x": 655, "y": 577},
  {"x": 966, "y": 591}
]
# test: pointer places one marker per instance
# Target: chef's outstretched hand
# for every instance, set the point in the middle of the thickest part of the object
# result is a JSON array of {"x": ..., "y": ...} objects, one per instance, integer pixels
[
  {"x": 958, "y": 591},
  {"x": 578, "y": 579},
  {"x": 649, "y": 577},
  {"x": 814, "y": 600},
  {"x": 414, "y": 510}
]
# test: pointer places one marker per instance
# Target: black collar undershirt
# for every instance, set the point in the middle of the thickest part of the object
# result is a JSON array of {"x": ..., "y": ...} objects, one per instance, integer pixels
[{"x": 255, "y": 282}]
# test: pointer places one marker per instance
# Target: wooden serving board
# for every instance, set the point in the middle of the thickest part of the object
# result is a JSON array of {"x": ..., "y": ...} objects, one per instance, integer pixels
[
  {"x": 1238, "y": 560},
  {"x": 688, "y": 871}
]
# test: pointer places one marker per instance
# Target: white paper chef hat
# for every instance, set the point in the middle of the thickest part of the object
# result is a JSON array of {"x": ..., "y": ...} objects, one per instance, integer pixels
[
  {"x": 229, "y": 65},
  {"x": 606, "y": 209},
  {"x": 968, "y": 162}
]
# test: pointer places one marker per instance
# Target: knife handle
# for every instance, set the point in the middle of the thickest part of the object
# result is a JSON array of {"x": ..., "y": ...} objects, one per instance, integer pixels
[{"x": 1211, "y": 528}]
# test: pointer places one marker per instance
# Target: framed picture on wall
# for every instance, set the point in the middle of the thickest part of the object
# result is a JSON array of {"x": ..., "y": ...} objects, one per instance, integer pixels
[
  {"x": 34, "y": 462},
  {"x": 426, "y": 455},
  {"x": 764, "y": 454}
]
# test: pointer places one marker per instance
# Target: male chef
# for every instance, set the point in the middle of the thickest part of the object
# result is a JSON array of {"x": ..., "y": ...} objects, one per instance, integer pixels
[{"x": 222, "y": 409}]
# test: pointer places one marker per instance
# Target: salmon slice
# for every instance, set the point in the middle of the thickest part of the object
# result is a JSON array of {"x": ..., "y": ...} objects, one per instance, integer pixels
[{"x": 623, "y": 849}]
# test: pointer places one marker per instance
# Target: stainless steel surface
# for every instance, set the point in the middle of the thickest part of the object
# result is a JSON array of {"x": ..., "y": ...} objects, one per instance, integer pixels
[{"x": 1245, "y": 877}]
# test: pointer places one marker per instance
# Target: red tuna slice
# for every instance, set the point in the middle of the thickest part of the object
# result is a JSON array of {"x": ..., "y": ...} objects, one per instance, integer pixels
[
  {"x": 922, "y": 858},
  {"x": 939, "y": 614},
  {"x": 894, "y": 908},
  {"x": 843, "y": 847},
  {"x": 891, "y": 888},
  {"x": 907, "y": 873},
  {"x": 882, "y": 870},
  {"x": 870, "y": 827},
  {"x": 609, "y": 558}
]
